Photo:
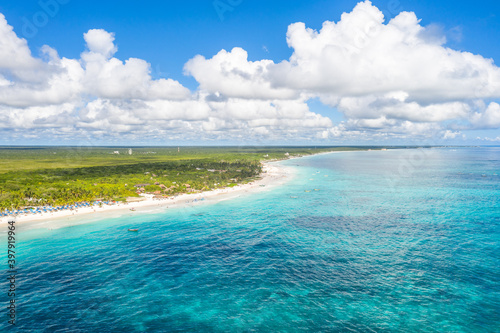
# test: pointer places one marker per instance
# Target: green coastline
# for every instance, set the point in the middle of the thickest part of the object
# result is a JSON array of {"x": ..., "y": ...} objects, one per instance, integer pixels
[{"x": 59, "y": 176}]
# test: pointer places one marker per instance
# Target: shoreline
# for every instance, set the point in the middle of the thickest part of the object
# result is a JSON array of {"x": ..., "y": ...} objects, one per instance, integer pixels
[{"x": 273, "y": 175}]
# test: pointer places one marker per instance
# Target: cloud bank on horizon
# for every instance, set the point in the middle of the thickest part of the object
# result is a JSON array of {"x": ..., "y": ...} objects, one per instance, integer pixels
[{"x": 391, "y": 81}]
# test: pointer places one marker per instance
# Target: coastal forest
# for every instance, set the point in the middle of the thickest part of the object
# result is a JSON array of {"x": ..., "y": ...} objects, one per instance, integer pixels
[{"x": 58, "y": 176}]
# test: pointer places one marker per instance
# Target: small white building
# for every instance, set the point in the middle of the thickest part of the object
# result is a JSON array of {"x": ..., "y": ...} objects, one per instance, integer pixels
[
  {"x": 130, "y": 151},
  {"x": 116, "y": 152}
]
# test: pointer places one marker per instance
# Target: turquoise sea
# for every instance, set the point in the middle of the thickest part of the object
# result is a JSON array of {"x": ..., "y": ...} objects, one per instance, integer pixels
[{"x": 379, "y": 241}]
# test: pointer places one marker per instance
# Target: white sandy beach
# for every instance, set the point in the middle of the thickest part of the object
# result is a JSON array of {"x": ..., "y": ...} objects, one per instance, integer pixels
[{"x": 273, "y": 174}]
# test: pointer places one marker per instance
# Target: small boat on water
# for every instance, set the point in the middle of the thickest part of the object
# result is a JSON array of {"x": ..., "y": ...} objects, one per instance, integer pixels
[{"x": 133, "y": 230}]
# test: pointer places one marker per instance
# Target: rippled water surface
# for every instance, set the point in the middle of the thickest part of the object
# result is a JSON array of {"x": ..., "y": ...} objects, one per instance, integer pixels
[{"x": 395, "y": 241}]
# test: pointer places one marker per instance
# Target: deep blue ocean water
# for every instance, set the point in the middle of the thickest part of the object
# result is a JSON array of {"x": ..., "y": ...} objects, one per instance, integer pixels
[{"x": 394, "y": 241}]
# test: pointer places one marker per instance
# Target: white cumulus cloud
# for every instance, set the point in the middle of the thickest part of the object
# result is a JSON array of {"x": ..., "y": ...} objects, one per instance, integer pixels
[
  {"x": 391, "y": 80},
  {"x": 490, "y": 118}
]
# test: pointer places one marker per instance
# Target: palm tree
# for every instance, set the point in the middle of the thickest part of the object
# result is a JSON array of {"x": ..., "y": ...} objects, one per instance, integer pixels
[{"x": 29, "y": 193}]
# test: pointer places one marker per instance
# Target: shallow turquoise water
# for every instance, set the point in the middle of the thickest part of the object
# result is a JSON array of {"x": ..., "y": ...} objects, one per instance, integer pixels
[{"x": 396, "y": 241}]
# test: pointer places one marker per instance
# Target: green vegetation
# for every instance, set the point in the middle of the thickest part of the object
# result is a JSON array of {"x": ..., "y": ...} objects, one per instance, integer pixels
[{"x": 66, "y": 175}]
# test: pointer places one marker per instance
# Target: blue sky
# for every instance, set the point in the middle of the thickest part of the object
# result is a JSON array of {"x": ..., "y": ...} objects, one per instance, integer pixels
[{"x": 167, "y": 34}]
